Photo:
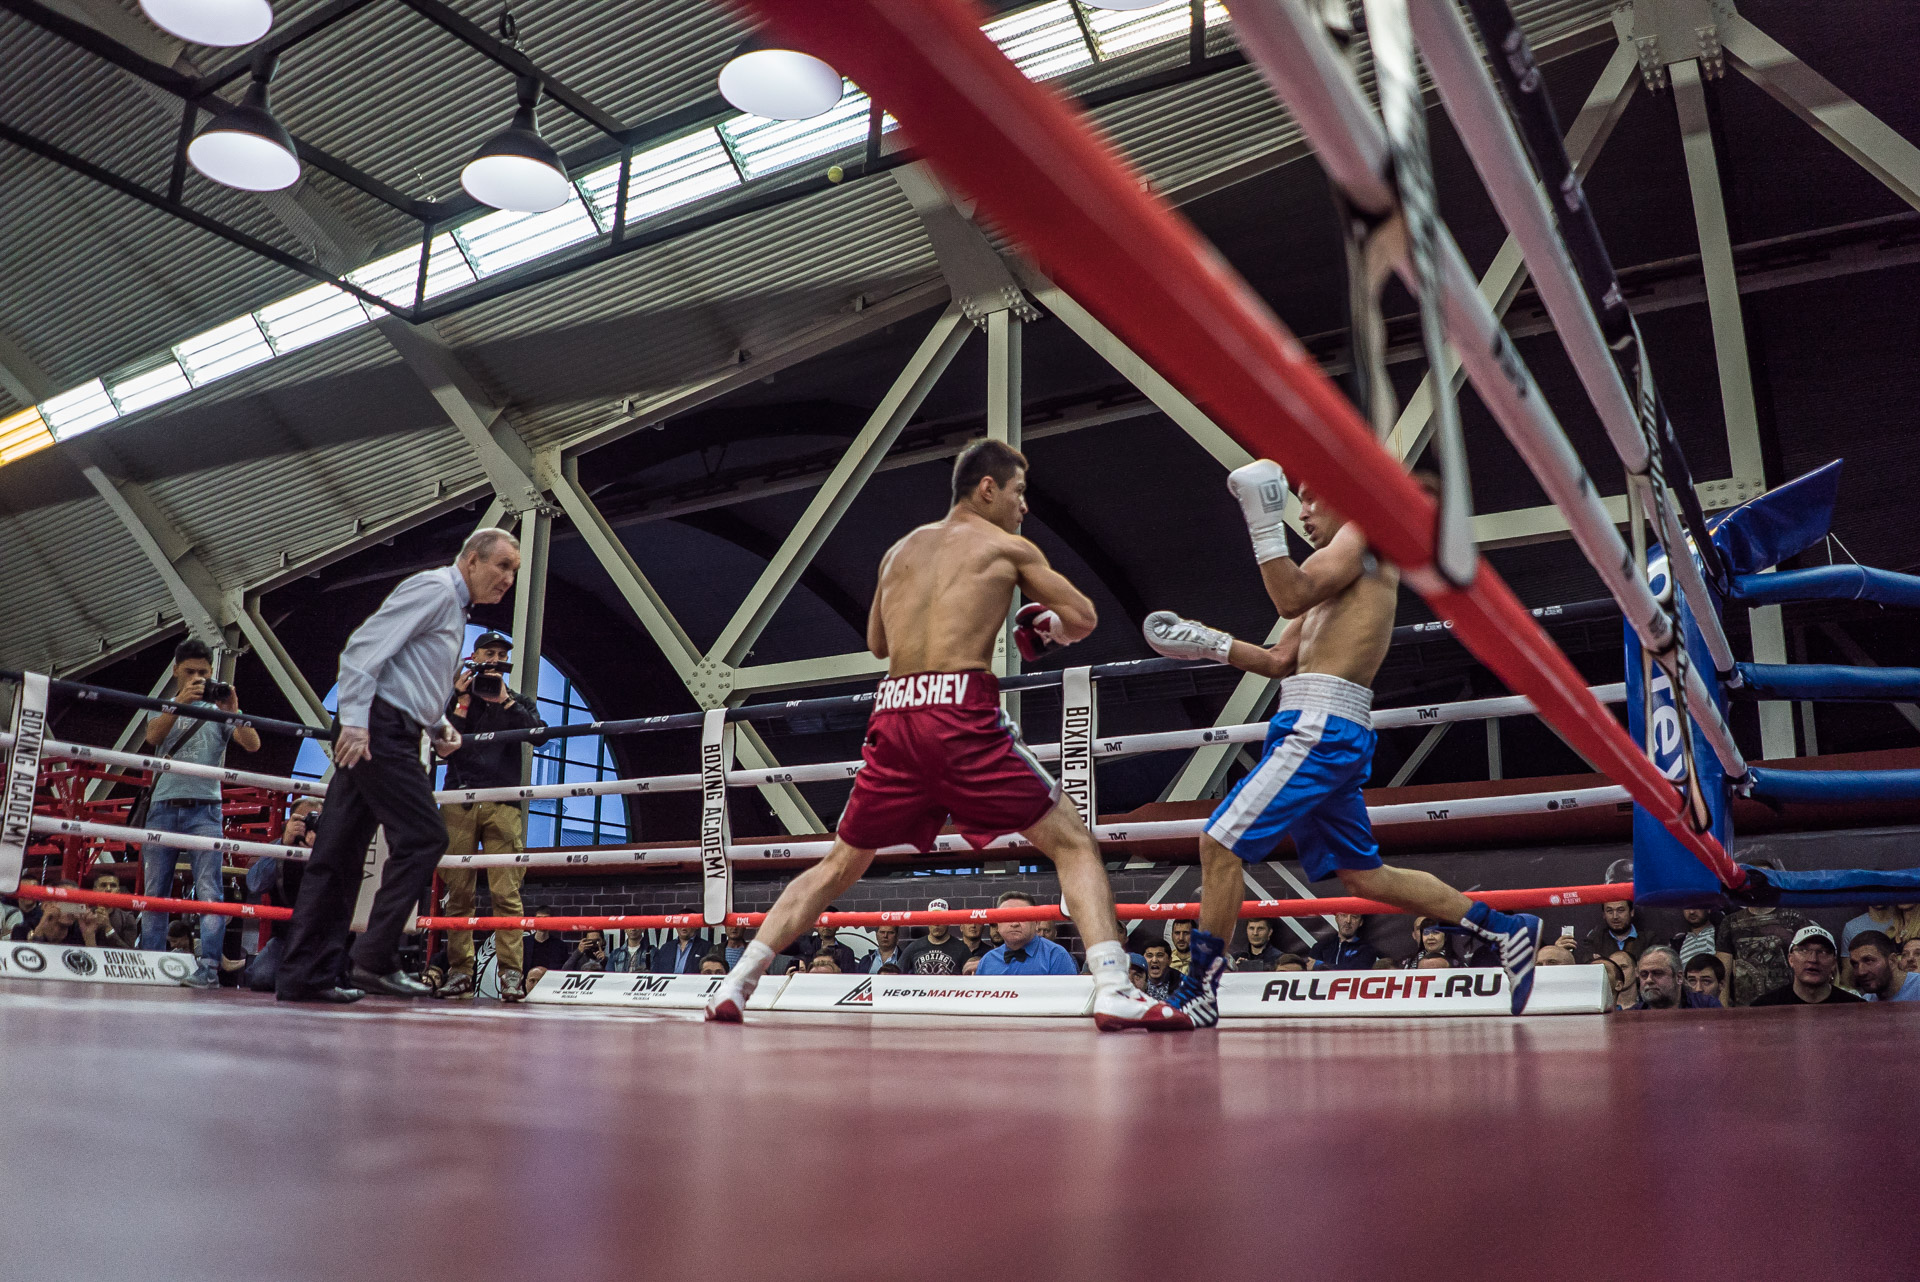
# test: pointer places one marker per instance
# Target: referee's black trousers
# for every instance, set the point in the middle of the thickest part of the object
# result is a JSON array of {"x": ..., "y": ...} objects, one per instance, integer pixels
[{"x": 390, "y": 789}]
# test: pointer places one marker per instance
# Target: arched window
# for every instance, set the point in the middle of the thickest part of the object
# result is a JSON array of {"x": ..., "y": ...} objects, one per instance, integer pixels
[{"x": 562, "y": 821}]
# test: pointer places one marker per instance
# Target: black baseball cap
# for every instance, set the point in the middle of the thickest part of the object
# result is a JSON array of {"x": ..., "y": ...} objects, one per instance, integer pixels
[{"x": 494, "y": 639}]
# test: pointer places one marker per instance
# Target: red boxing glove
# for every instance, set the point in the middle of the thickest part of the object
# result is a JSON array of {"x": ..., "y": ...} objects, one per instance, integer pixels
[{"x": 1033, "y": 629}]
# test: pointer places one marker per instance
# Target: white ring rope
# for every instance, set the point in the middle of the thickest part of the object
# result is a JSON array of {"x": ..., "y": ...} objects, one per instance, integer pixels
[
  {"x": 822, "y": 772},
  {"x": 1531, "y": 803},
  {"x": 1124, "y": 745}
]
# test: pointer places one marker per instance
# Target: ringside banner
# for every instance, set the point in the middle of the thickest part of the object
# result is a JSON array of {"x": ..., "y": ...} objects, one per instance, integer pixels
[
  {"x": 1016, "y": 995},
  {"x": 1079, "y": 714},
  {"x": 826, "y": 993},
  {"x": 23, "y": 777},
  {"x": 664, "y": 992},
  {"x": 93, "y": 965},
  {"x": 1557, "y": 990},
  {"x": 716, "y": 832}
]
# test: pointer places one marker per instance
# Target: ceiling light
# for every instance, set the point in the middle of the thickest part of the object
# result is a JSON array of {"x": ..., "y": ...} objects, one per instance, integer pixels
[
  {"x": 779, "y": 84},
  {"x": 244, "y": 146},
  {"x": 517, "y": 170},
  {"x": 211, "y": 22}
]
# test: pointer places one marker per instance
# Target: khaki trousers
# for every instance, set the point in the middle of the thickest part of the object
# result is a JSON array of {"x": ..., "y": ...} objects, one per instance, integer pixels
[{"x": 484, "y": 827}]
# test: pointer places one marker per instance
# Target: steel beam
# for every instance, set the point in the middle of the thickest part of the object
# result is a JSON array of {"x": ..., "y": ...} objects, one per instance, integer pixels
[
  {"x": 530, "y": 601},
  {"x": 1418, "y": 757},
  {"x": 789, "y": 806},
  {"x": 502, "y": 455},
  {"x": 306, "y": 702},
  {"x": 646, "y": 603},
  {"x": 21, "y": 376},
  {"x": 195, "y": 592},
  {"x": 1730, "y": 355},
  {"x": 935, "y": 353},
  {"x": 1810, "y": 96},
  {"x": 831, "y": 670},
  {"x": 975, "y": 272},
  {"x": 1166, "y": 398}
]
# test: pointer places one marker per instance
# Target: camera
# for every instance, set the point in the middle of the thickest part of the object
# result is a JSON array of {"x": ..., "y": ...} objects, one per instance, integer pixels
[
  {"x": 216, "y": 691},
  {"x": 312, "y": 821},
  {"x": 488, "y": 678}
]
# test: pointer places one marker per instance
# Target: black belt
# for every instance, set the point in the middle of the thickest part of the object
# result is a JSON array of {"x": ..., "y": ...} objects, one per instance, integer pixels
[{"x": 187, "y": 801}]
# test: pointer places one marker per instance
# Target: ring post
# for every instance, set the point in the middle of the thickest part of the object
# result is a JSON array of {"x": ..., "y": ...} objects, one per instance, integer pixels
[{"x": 1664, "y": 871}]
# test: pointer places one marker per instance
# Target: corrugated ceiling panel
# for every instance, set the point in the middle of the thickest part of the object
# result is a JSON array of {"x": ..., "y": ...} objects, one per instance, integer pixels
[
  {"x": 767, "y": 274},
  {"x": 73, "y": 577},
  {"x": 243, "y": 517},
  {"x": 90, "y": 278}
]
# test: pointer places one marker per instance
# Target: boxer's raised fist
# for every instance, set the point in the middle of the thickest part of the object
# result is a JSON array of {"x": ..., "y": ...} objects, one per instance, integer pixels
[
  {"x": 1034, "y": 629},
  {"x": 1261, "y": 490}
]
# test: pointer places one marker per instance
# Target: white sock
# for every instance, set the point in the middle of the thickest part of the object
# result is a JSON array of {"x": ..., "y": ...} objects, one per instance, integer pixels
[
  {"x": 753, "y": 962},
  {"x": 1107, "y": 963}
]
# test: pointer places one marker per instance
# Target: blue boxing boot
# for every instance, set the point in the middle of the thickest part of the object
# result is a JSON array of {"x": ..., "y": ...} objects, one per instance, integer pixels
[
  {"x": 1198, "y": 996},
  {"x": 1518, "y": 937}
]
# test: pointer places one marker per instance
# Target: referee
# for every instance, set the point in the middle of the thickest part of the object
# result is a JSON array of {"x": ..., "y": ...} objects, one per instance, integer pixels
[{"x": 395, "y": 677}]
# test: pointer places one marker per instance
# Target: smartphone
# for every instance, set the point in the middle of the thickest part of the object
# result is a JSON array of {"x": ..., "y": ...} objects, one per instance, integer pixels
[{"x": 1566, "y": 932}]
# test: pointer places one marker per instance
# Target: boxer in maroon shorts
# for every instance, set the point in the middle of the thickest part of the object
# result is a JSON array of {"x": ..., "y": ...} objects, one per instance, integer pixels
[{"x": 938, "y": 746}]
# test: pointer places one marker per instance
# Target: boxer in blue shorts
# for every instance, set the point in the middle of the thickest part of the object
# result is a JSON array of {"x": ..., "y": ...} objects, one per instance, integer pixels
[{"x": 1319, "y": 751}]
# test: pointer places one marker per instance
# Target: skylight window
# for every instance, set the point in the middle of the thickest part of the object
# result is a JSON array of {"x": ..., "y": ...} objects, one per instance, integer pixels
[
  {"x": 80, "y": 410},
  {"x": 506, "y": 239},
  {"x": 763, "y": 146},
  {"x": 1123, "y": 31},
  {"x": 23, "y": 434},
  {"x": 1044, "y": 41},
  {"x": 395, "y": 277},
  {"x": 159, "y": 382},
  {"x": 223, "y": 350},
  {"x": 664, "y": 177},
  {"x": 305, "y": 318}
]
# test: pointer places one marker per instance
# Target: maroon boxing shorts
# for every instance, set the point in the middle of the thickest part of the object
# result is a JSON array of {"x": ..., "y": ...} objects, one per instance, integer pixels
[{"x": 938, "y": 746}]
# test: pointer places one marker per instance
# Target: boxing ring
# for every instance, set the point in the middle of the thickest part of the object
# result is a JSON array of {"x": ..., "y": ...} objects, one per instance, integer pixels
[{"x": 604, "y": 1126}]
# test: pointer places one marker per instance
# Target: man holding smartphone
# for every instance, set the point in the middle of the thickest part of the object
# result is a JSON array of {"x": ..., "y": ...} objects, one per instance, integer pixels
[{"x": 188, "y": 803}]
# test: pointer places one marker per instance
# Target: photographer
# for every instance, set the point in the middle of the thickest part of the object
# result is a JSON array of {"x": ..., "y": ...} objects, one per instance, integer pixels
[
  {"x": 190, "y": 804},
  {"x": 482, "y": 702},
  {"x": 591, "y": 954}
]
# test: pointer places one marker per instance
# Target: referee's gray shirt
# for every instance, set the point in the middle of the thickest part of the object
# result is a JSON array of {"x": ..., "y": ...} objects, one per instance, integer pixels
[{"x": 407, "y": 653}]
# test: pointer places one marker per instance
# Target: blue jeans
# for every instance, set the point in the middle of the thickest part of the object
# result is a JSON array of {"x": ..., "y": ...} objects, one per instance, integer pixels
[{"x": 201, "y": 819}]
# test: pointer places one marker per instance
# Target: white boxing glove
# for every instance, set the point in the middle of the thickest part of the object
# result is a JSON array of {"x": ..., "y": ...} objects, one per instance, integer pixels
[
  {"x": 1179, "y": 638},
  {"x": 1261, "y": 490}
]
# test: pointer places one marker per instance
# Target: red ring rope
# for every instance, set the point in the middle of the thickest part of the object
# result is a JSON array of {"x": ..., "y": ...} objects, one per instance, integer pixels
[
  {"x": 1505, "y": 900},
  {"x": 144, "y": 903},
  {"x": 1044, "y": 176}
]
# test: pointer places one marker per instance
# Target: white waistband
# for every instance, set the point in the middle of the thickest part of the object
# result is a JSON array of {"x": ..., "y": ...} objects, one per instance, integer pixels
[{"x": 1335, "y": 696}]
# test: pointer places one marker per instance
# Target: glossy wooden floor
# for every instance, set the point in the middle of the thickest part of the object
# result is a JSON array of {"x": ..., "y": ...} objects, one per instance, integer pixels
[{"x": 161, "y": 1134}]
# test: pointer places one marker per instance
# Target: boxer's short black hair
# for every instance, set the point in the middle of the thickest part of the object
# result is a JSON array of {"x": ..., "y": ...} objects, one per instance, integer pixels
[{"x": 984, "y": 457}]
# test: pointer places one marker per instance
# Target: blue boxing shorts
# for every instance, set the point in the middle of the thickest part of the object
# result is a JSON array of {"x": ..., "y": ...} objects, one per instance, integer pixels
[{"x": 1318, "y": 755}]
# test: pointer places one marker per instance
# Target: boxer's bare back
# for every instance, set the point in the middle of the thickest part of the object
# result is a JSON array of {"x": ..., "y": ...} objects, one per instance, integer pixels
[{"x": 945, "y": 589}]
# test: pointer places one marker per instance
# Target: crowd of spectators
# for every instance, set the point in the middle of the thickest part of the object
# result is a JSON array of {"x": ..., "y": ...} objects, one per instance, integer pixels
[
  {"x": 1701, "y": 958},
  {"x": 1752, "y": 957}
]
